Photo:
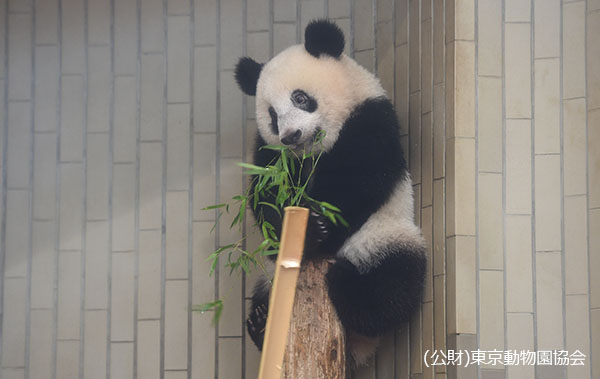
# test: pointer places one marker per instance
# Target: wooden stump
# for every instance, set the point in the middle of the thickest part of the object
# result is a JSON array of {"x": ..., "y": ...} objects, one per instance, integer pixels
[{"x": 316, "y": 347}]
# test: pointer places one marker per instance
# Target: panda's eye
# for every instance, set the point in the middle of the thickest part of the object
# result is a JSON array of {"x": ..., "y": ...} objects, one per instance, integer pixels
[
  {"x": 303, "y": 101},
  {"x": 300, "y": 98}
]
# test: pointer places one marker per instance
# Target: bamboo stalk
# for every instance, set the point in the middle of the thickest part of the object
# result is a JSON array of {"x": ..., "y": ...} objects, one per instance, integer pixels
[{"x": 283, "y": 292}]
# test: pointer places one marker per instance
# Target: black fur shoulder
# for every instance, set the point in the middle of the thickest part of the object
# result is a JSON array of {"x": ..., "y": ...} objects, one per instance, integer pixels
[
  {"x": 371, "y": 135},
  {"x": 361, "y": 171}
]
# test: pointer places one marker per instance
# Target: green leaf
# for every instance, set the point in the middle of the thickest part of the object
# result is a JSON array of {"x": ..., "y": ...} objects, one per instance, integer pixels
[
  {"x": 264, "y": 228},
  {"x": 215, "y": 206},
  {"x": 262, "y": 245},
  {"x": 216, "y": 306},
  {"x": 243, "y": 208},
  {"x": 331, "y": 217},
  {"x": 273, "y": 147},
  {"x": 215, "y": 255},
  {"x": 284, "y": 161},
  {"x": 236, "y": 219},
  {"x": 297, "y": 197},
  {"x": 329, "y": 206},
  {"x": 256, "y": 170},
  {"x": 204, "y": 307},
  {"x": 271, "y": 206},
  {"x": 255, "y": 200},
  {"x": 217, "y": 316},
  {"x": 213, "y": 266},
  {"x": 342, "y": 220}
]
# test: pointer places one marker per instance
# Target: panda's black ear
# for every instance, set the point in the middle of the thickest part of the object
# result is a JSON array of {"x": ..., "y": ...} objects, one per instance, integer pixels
[
  {"x": 324, "y": 37},
  {"x": 247, "y": 72}
]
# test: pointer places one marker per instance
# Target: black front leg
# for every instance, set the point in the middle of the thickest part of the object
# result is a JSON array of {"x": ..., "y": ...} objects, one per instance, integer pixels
[
  {"x": 257, "y": 316},
  {"x": 317, "y": 233},
  {"x": 382, "y": 298}
]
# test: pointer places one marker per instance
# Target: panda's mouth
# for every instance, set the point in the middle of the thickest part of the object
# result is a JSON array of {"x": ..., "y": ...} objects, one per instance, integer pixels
[
  {"x": 307, "y": 143},
  {"x": 316, "y": 133}
]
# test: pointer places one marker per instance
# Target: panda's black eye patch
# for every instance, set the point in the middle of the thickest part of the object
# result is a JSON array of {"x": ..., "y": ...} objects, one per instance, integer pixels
[
  {"x": 274, "y": 126},
  {"x": 302, "y": 100}
]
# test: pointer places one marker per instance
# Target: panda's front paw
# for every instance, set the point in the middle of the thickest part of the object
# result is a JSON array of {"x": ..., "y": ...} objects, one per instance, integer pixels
[
  {"x": 317, "y": 232},
  {"x": 321, "y": 225},
  {"x": 256, "y": 324}
]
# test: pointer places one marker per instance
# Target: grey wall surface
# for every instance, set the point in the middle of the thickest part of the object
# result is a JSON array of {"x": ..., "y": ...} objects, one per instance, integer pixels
[{"x": 120, "y": 120}]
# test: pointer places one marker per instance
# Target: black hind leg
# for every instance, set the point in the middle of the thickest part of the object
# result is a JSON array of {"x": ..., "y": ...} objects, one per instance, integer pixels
[
  {"x": 382, "y": 298},
  {"x": 257, "y": 316}
]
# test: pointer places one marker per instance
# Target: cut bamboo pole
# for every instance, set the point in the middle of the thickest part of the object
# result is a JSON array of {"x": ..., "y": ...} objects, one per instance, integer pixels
[
  {"x": 316, "y": 341},
  {"x": 281, "y": 300}
]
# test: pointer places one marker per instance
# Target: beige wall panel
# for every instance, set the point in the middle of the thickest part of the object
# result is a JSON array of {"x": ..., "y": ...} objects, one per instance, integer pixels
[
  {"x": 548, "y": 212},
  {"x": 592, "y": 66},
  {"x": 461, "y": 285},
  {"x": 491, "y": 241},
  {"x": 517, "y": 56},
  {"x": 546, "y": 110},
  {"x": 573, "y": 48},
  {"x": 578, "y": 332},
  {"x": 519, "y": 332},
  {"x": 491, "y": 316},
  {"x": 549, "y": 301},
  {"x": 518, "y": 166},
  {"x": 519, "y": 296},
  {"x": 489, "y": 119},
  {"x": 498, "y": 108},
  {"x": 574, "y": 147},
  {"x": 576, "y": 246}
]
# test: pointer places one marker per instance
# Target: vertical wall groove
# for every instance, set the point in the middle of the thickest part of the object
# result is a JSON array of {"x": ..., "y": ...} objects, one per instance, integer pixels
[
  {"x": 218, "y": 169},
  {"x": 190, "y": 255},
  {"x": 84, "y": 192},
  {"x": 4, "y": 174},
  {"x": 110, "y": 162},
  {"x": 30, "y": 199},
  {"x": 533, "y": 209},
  {"x": 587, "y": 195},
  {"x": 137, "y": 164},
  {"x": 163, "y": 223},
  {"x": 58, "y": 200}
]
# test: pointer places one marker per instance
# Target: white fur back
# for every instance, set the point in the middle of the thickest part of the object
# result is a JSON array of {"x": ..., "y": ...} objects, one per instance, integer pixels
[{"x": 392, "y": 224}]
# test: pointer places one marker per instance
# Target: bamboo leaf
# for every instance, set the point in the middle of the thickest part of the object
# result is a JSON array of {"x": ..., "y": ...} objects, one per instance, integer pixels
[
  {"x": 204, "y": 307},
  {"x": 273, "y": 147},
  {"x": 329, "y": 206},
  {"x": 342, "y": 220},
  {"x": 284, "y": 161},
  {"x": 271, "y": 206},
  {"x": 215, "y": 206}
]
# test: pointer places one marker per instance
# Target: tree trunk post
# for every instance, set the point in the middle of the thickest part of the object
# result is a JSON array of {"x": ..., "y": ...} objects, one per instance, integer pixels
[{"x": 316, "y": 347}]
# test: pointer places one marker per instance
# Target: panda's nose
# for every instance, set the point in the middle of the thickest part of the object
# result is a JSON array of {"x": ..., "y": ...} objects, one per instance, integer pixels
[{"x": 291, "y": 138}]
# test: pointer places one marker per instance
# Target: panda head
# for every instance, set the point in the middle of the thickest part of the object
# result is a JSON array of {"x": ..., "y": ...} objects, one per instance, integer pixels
[{"x": 307, "y": 88}]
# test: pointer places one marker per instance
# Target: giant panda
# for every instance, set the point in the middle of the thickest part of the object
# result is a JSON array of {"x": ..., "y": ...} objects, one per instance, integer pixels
[{"x": 376, "y": 278}]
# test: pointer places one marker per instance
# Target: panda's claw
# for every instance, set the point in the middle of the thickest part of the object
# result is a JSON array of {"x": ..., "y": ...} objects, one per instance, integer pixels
[
  {"x": 256, "y": 324},
  {"x": 318, "y": 231},
  {"x": 322, "y": 226}
]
